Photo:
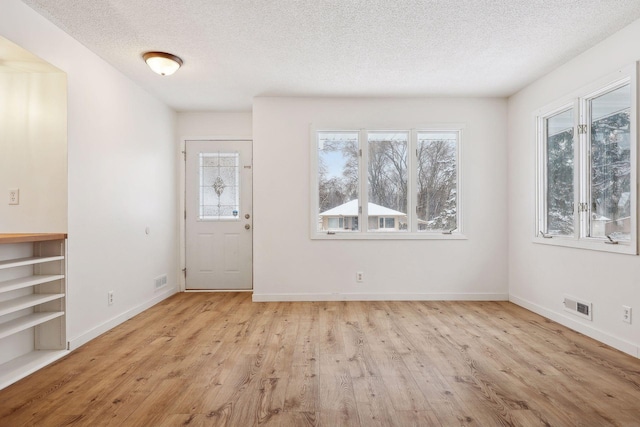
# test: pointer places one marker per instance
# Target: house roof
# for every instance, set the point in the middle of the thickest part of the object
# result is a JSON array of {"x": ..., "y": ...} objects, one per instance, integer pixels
[{"x": 351, "y": 209}]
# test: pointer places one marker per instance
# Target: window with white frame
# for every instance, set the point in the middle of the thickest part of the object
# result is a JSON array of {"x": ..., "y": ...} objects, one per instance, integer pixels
[
  {"x": 386, "y": 183},
  {"x": 387, "y": 223},
  {"x": 587, "y": 167}
]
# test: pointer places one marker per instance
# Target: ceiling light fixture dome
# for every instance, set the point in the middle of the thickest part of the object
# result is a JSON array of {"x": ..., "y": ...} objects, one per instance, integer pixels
[{"x": 162, "y": 63}]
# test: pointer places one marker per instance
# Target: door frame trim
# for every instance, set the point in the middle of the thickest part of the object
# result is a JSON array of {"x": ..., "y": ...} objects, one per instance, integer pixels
[{"x": 182, "y": 188}]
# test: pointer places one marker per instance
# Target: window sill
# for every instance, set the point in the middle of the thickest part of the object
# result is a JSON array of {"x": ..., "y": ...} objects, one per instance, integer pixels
[
  {"x": 589, "y": 244},
  {"x": 386, "y": 235}
]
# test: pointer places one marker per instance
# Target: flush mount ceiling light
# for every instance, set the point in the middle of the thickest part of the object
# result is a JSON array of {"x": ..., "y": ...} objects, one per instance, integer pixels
[{"x": 162, "y": 63}]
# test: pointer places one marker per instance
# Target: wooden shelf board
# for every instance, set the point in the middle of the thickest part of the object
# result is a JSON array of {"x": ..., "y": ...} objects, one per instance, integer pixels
[
  {"x": 25, "y": 282},
  {"x": 19, "y": 262},
  {"x": 30, "y": 237},
  {"x": 20, "y": 367},
  {"x": 25, "y": 322},
  {"x": 27, "y": 301}
]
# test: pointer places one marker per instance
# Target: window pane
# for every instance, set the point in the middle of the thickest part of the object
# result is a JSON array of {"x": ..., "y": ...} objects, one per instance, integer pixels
[
  {"x": 219, "y": 186},
  {"x": 610, "y": 165},
  {"x": 387, "y": 176},
  {"x": 337, "y": 180},
  {"x": 559, "y": 146},
  {"x": 437, "y": 181}
]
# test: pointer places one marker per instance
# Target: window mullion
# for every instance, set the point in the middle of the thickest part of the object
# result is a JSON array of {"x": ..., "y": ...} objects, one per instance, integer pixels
[
  {"x": 578, "y": 182},
  {"x": 585, "y": 166},
  {"x": 542, "y": 191},
  {"x": 412, "y": 181},
  {"x": 363, "y": 167},
  {"x": 634, "y": 158}
]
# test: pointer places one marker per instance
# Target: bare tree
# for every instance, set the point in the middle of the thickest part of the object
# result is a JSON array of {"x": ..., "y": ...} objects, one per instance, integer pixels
[
  {"x": 387, "y": 174},
  {"x": 336, "y": 190},
  {"x": 437, "y": 184}
]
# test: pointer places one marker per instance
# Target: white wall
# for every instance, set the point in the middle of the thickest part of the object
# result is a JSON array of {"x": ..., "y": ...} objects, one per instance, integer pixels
[
  {"x": 33, "y": 151},
  {"x": 122, "y": 168},
  {"x": 230, "y": 125},
  {"x": 288, "y": 265},
  {"x": 539, "y": 275}
]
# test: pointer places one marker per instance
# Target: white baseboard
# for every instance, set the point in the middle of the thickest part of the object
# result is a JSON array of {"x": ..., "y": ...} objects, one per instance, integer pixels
[
  {"x": 257, "y": 297},
  {"x": 590, "y": 331},
  {"x": 121, "y": 318}
]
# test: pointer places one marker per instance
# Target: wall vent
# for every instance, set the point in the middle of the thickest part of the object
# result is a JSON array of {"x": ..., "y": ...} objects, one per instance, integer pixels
[
  {"x": 161, "y": 281},
  {"x": 578, "y": 307}
]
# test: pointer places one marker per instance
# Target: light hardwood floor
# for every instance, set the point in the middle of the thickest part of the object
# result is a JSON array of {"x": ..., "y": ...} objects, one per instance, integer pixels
[{"x": 219, "y": 359}]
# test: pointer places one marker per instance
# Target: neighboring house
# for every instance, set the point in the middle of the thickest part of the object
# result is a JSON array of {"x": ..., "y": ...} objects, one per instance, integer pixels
[{"x": 345, "y": 217}]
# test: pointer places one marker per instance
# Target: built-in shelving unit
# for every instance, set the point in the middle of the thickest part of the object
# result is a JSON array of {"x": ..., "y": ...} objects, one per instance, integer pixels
[{"x": 32, "y": 303}]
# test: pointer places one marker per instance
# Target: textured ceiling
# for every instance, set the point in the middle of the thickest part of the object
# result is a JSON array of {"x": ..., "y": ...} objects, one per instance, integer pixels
[{"x": 234, "y": 50}]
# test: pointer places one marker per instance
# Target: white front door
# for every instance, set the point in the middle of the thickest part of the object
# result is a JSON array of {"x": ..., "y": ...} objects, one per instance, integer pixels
[{"x": 219, "y": 217}]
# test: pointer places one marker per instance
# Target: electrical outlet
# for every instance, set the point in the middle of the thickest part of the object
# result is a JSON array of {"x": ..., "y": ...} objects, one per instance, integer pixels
[
  {"x": 14, "y": 196},
  {"x": 110, "y": 297},
  {"x": 626, "y": 314},
  {"x": 359, "y": 277}
]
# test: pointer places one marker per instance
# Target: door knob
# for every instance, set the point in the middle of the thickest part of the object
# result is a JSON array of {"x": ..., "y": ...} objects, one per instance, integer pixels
[{"x": 247, "y": 226}]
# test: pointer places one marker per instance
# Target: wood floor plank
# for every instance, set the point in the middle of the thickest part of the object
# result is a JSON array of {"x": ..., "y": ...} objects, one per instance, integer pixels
[
  {"x": 331, "y": 329},
  {"x": 372, "y": 396},
  {"x": 279, "y": 348},
  {"x": 235, "y": 402},
  {"x": 221, "y": 360},
  {"x": 302, "y": 389},
  {"x": 190, "y": 420},
  {"x": 416, "y": 419},
  {"x": 456, "y": 414},
  {"x": 336, "y": 399},
  {"x": 359, "y": 354}
]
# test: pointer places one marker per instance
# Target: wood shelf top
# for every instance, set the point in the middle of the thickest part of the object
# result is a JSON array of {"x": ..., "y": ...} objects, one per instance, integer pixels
[{"x": 30, "y": 237}]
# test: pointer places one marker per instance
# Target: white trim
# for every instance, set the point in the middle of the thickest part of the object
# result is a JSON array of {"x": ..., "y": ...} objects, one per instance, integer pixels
[
  {"x": 388, "y": 235},
  {"x": 579, "y": 326},
  {"x": 381, "y": 297},
  {"x": 586, "y": 243},
  {"x": 182, "y": 236},
  {"x": 121, "y": 318}
]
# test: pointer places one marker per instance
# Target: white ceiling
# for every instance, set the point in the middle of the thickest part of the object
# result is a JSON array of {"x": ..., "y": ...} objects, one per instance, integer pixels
[{"x": 234, "y": 50}]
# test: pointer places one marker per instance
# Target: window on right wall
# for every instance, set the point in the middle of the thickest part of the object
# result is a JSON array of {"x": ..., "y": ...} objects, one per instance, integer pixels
[{"x": 587, "y": 167}]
